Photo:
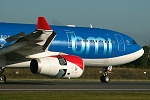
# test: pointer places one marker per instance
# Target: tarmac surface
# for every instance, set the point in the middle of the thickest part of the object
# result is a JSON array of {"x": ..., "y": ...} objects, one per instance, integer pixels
[{"x": 75, "y": 86}]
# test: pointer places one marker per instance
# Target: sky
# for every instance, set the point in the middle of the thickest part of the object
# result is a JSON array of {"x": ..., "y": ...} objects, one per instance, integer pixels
[{"x": 131, "y": 17}]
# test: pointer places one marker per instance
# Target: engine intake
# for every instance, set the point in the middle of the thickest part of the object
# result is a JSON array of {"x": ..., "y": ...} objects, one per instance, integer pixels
[{"x": 34, "y": 66}]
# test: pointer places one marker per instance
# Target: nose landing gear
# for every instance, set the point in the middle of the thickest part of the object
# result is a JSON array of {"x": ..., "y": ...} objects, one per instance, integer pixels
[{"x": 105, "y": 78}]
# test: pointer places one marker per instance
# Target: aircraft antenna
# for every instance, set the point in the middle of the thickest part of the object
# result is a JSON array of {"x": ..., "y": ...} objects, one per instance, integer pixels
[{"x": 91, "y": 26}]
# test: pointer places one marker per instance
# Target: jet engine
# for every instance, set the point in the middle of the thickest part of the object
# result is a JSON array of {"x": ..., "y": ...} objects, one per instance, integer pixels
[{"x": 60, "y": 66}]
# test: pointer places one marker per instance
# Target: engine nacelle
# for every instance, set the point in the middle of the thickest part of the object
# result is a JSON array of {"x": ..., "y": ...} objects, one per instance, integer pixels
[{"x": 61, "y": 66}]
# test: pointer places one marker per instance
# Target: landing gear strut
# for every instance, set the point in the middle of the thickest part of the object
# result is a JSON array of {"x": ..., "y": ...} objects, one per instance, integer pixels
[
  {"x": 105, "y": 78},
  {"x": 2, "y": 77}
]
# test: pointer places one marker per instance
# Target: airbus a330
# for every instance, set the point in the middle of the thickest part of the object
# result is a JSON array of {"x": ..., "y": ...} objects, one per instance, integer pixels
[{"x": 63, "y": 51}]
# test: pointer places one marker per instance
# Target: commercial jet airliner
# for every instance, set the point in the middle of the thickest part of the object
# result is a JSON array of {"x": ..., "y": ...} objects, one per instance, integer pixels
[{"x": 63, "y": 51}]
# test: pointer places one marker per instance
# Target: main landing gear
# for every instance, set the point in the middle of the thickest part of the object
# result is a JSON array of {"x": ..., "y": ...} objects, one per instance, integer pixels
[
  {"x": 2, "y": 77},
  {"x": 105, "y": 78}
]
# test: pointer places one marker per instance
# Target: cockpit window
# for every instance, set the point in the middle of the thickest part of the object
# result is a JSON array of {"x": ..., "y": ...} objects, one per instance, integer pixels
[{"x": 133, "y": 42}]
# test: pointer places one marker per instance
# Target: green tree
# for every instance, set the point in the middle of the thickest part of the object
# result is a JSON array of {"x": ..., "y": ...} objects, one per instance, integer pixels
[
  {"x": 143, "y": 61},
  {"x": 148, "y": 63}
]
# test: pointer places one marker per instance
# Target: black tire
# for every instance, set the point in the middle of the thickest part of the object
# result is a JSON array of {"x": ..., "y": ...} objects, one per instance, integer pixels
[
  {"x": 102, "y": 79},
  {"x": 105, "y": 79},
  {"x": 2, "y": 79}
]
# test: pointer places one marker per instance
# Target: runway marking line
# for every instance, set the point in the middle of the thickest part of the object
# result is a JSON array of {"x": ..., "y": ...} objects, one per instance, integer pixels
[{"x": 74, "y": 89}]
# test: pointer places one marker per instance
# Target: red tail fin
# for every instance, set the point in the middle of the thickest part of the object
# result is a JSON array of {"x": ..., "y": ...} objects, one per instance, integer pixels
[{"x": 42, "y": 24}]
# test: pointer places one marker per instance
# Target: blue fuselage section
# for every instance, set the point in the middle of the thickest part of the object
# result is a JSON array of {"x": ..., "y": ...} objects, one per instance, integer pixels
[{"x": 87, "y": 43}]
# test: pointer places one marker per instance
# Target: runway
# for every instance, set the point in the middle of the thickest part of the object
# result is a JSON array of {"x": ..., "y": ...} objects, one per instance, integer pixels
[{"x": 75, "y": 86}]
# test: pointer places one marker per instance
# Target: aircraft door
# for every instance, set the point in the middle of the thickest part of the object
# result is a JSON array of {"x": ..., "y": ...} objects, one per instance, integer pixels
[{"x": 120, "y": 41}]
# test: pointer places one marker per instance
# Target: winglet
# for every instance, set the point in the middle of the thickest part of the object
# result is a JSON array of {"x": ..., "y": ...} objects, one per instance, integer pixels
[{"x": 42, "y": 24}]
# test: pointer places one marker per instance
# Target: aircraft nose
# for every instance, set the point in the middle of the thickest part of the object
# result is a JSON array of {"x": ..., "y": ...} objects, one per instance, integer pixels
[
  {"x": 139, "y": 53},
  {"x": 142, "y": 51}
]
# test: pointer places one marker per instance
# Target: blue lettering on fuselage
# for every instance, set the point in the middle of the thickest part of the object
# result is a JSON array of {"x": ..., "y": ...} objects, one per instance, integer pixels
[{"x": 86, "y": 45}]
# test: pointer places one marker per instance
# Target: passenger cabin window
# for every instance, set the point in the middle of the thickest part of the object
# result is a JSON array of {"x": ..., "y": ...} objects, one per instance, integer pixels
[
  {"x": 113, "y": 42},
  {"x": 5, "y": 36},
  {"x": 97, "y": 41},
  {"x": 80, "y": 40}
]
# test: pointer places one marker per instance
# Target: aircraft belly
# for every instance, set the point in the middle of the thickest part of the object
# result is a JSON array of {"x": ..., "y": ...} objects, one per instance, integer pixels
[
  {"x": 95, "y": 62},
  {"x": 113, "y": 61}
]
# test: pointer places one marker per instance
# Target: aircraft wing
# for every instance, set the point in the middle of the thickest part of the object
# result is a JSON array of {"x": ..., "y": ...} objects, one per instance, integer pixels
[{"x": 24, "y": 45}]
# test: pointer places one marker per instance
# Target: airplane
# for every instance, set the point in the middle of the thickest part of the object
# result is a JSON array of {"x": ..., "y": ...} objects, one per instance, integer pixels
[{"x": 63, "y": 51}]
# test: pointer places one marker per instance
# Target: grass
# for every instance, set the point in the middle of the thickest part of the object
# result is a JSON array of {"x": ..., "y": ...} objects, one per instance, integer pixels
[
  {"x": 89, "y": 73},
  {"x": 74, "y": 95}
]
